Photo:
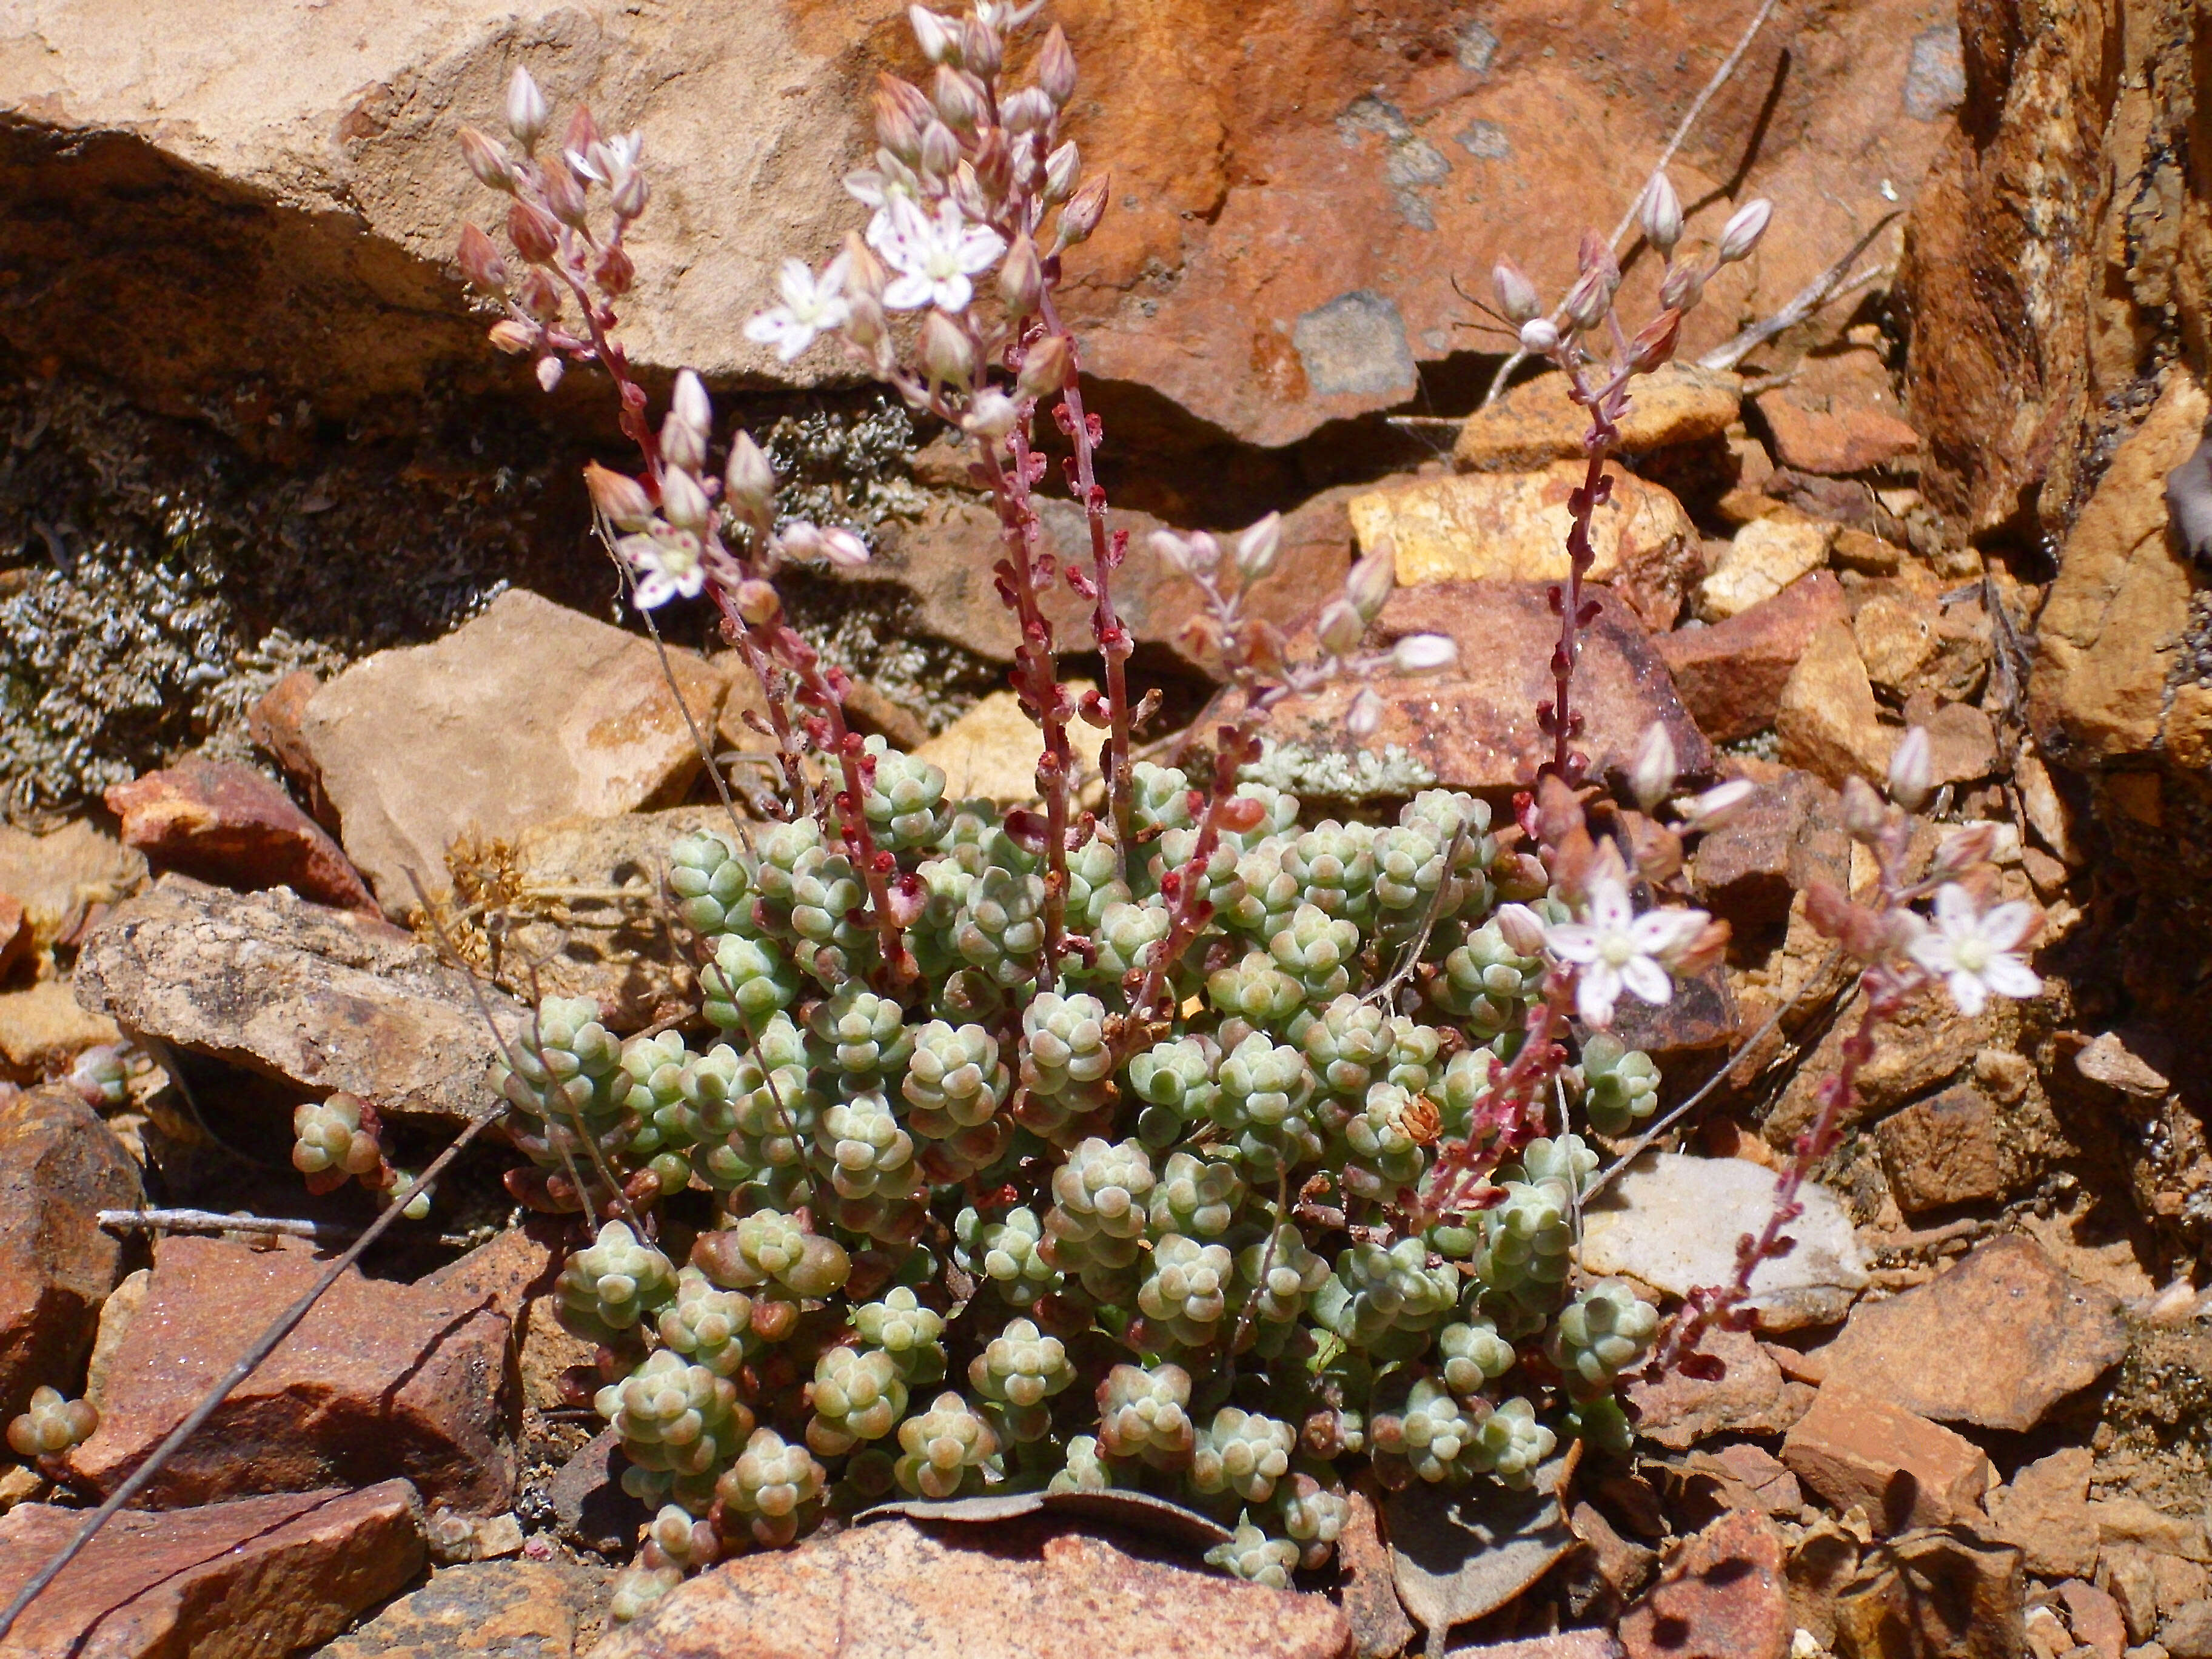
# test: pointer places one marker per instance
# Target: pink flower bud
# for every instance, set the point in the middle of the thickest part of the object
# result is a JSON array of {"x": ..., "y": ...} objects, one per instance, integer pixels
[
  {"x": 1863, "y": 814},
  {"x": 527, "y": 110},
  {"x": 630, "y": 195},
  {"x": 1744, "y": 228},
  {"x": 1911, "y": 769},
  {"x": 1682, "y": 286},
  {"x": 940, "y": 150},
  {"x": 550, "y": 370},
  {"x": 619, "y": 497},
  {"x": 954, "y": 95},
  {"x": 1523, "y": 928},
  {"x": 1589, "y": 299},
  {"x": 689, "y": 403},
  {"x": 1652, "y": 772},
  {"x": 842, "y": 549},
  {"x": 1061, "y": 169},
  {"x": 1026, "y": 110},
  {"x": 564, "y": 196},
  {"x": 480, "y": 261},
  {"x": 1539, "y": 338},
  {"x": 895, "y": 130},
  {"x": 865, "y": 326},
  {"x": 1044, "y": 370},
  {"x": 1055, "y": 68},
  {"x": 749, "y": 482},
  {"x": 1717, "y": 805},
  {"x": 1258, "y": 548},
  {"x": 1655, "y": 342},
  {"x": 682, "y": 503},
  {"x": 932, "y": 34},
  {"x": 583, "y": 130},
  {"x": 614, "y": 273},
  {"x": 1662, "y": 214},
  {"x": 536, "y": 295},
  {"x": 946, "y": 351},
  {"x": 1516, "y": 295},
  {"x": 532, "y": 230},
  {"x": 1021, "y": 277},
  {"x": 1971, "y": 844},
  {"x": 991, "y": 415},
  {"x": 981, "y": 50},
  {"x": 512, "y": 337},
  {"x": 801, "y": 541},
  {"x": 1173, "y": 551},
  {"x": 1364, "y": 716},
  {"x": 1424, "y": 654},
  {"x": 1368, "y": 585},
  {"x": 1340, "y": 628},
  {"x": 487, "y": 160},
  {"x": 1082, "y": 214}
]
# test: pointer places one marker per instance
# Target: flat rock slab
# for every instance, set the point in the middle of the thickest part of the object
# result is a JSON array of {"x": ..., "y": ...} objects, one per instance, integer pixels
[
  {"x": 1903, "y": 1470},
  {"x": 1731, "y": 674},
  {"x": 1538, "y": 420},
  {"x": 316, "y": 997},
  {"x": 1723, "y": 1594},
  {"x": 379, "y": 1380},
  {"x": 1997, "y": 1341},
  {"x": 497, "y": 1609},
  {"x": 894, "y": 1590},
  {"x": 59, "y": 1167},
  {"x": 248, "y": 1580},
  {"x": 531, "y": 713},
  {"x": 226, "y": 822},
  {"x": 1673, "y": 1222},
  {"x": 1474, "y": 724}
]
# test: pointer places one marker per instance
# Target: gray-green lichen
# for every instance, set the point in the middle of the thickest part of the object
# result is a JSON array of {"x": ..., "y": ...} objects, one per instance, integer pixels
[{"x": 1331, "y": 774}]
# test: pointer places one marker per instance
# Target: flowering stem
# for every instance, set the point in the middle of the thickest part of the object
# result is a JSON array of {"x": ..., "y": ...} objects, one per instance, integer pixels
[
  {"x": 1114, "y": 643},
  {"x": 1501, "y": 1115},
  {"x": 1557, "y": 717}
]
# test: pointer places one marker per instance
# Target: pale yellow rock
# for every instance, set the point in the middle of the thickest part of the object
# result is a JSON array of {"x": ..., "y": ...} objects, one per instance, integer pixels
[
  {"x": 1896, "y": 636},
  {"x": 2189, "y": 727},
  {"x": 991, "y": 751},
  {"x": 55, "y": 877},
  {"x": 1829, "y": 723},
  {"x": 1512, "y": 526},
  {"x": 2118, "y": 610},
  {"x": 42, "y": 1030},
  {"x": 1537, "y": 421},
  {"x": 1764, "y": 557}
]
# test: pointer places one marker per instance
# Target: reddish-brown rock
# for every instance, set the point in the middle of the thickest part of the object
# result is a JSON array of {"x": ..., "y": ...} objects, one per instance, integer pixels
[
  {"x": 1905, "y": 1471},
  {"x": 59, "y": 1167},
  {"x": 2095, "y": 1617},
  {"x": 1730, "y": 675},
  {"x": 1837, "y": 415},
  {"x": 1945, "y": 1593},
  {"x": 17, "y": 943},
  {"x": 1676, "y": 1410},
  {"x": 1722, "y": 1597},
  {"x": 226, "y": 822},
  {"x": 1788, "y": 833},
  {"x": 381, "y": 1380},
  {"x": 2045, "y": 1510},
  {"x": 1996, "y": 1340},
  {"x": 1539, "y": 422},
  {"x": 1948, "y": 1149},
  {"x": 1474, "y": 724},
  {"x": 277, "y": 723},
  {"x": 1380, "y": 1628},
  {"x": 481, "y": 1610},
  {"x": 1561, "y": 1644},
  {"x": 894, "y": 1590},
  {"x": 247, "y": 1580}
]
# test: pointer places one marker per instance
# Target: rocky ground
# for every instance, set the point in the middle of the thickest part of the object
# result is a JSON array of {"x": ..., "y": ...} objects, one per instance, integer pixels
[{"x": 302, "y": 632}]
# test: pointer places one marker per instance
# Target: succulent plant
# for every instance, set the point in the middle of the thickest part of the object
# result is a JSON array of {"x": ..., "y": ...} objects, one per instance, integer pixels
[{"x": 51, "y": 1423}]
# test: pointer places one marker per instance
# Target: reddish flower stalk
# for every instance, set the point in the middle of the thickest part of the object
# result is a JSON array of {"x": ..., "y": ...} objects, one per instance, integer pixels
[{"x": 1504, "y": 1116}]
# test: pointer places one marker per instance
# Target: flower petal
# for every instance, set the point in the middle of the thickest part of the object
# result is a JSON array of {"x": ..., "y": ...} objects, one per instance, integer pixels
[
  {"x": 907, "y": 292},
  {"x": 1932, "y": 951},
  {"x": 1968, "y": 991},
  {"x": 953, "y": 293},
  {"x": 1596, "y": 991},
  {"x": 1647, "y": 981},
  {"x": 2004, "y": 926},
  {"x": 1954, "y": 910},
  {"x": 770, "y": 326},
  {"x": 1609, "y": 909},
  {"x": 1572, "y": 941},
  {"x": 2008, "y": 976}
]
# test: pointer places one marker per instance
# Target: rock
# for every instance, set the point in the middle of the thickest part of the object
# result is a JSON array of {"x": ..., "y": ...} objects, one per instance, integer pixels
[
  {"x": 225, "y": 823},
  {"x": 589, "y": 1505},
  {"x": 1948, "y": 1149},
  {"x": 1701, "y": 1015},
  {"x": 226, "y": 1580},
  {"x": 2106, "y": 1059},
  {"x": 2045, "y": 1510},
  {"x": 1730, "y": 675},
  {"x": 529, "y": 714},
  {"x": 1854, "y": 1448},
  {"x": 2066, "y": 128},
  {"x": 1474, "y": 726},
  {"x": 43, "y": 1030},
  {"x": 1895, "y": 632},
  {"x": 2176, "y": 1583},
  {"x": 1838, "y": 415},
  {"x": 1561, "y": 1644},
  {"x": 992, "y": 750},
  {"x": 1722, "y": 1594},
  {"x": 560, "y": 931},
  {"x": 59, "y": 877},
  {"x": 277, "y": 723},
  {"x": 17, "y": 945},
  {"x": 513, "y": 1275},
  {"x": 59, "y": 1167},
  {"x": 1676, "y": 1411},
  {"x": 1673, "y": 1221},
  {"x": 1201, "y": 293},
  {"x": 1380, "y": 1629},
  {"x": 1622, "y": 1566},
  {"x": 1938, "y": 1593},
  {"x": 1789, "y": 833},
  {"x": 2186, "y": 1632},
  {"x": 1763, "y": 558},
  {"x": 115, "y": 1316},
  {"x": 1512, "y": 526},
  {"x": 2107, "y": 635},
  {"x": 1828, "y": 720},
  {"x": 895, "y": 1589},
  {"x": 1996, "y": 1341},
  {"x": 1925, "y": 1045},
  {"x": 381, "y": 1380},
  {"x": 2131, "y": 1521},
  {"x": 498, "y": 1609},
  {"x": 2095, "y": 1619},
  {"x": 1537, "y": 421},
  {"x": 1962, "y": 742},
  {"x": 1766, "y": 1475},
  {"x": 316, "y": 997}
]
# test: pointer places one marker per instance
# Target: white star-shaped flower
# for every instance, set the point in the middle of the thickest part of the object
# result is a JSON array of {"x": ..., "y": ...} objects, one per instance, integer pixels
[
  {"x": 1618, "y": 949},
  {"x": 1971, "y": 950},
  {"x": 935, "y": 255},
  {"x": 666, "y": 564},
  {"x": 810, "y": 305},
  {"x": 608, "y": 161}
]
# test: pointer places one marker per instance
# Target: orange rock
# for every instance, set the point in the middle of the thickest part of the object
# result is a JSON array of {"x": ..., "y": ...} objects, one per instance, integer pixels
[
  {"x": 1723, "y": 1593},
  {"x": 1730, "y": 675},
  {"x": 226, "y": 822},
  {"x": 1854, "y": 1448}
]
